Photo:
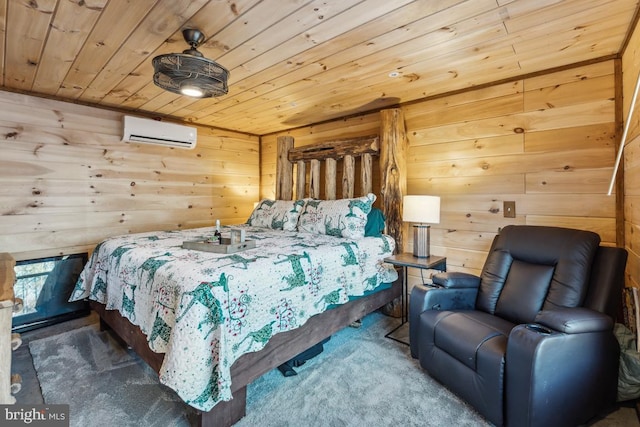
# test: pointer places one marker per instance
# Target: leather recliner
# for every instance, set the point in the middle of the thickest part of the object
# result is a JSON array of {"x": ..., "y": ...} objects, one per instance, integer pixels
[{"x": 530, "y": 342}]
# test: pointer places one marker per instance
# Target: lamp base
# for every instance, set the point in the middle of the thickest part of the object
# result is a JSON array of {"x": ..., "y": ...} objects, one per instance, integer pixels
[{"x": 421, "y": 240}]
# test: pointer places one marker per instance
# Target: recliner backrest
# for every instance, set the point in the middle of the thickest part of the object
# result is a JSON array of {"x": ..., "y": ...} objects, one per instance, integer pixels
[
  {"x": 530, "y": 268},
  {"x": 607, "y": 281}
]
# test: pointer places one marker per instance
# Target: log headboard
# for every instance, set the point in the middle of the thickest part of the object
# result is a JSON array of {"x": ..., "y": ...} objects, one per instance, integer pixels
[
  {"x": 331, "y": 153},
  {"x": 387, "y": 150}
]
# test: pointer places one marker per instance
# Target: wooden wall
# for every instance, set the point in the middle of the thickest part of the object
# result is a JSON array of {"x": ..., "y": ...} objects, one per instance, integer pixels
[
  {"x": 630, "y": 72},
  {"x": 547, "y": 143},
  {"x": 67, "y": 180}
]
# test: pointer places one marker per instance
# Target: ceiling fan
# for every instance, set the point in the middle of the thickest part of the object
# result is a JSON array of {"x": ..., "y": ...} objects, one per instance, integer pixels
[{"x": 190, "y": 73}]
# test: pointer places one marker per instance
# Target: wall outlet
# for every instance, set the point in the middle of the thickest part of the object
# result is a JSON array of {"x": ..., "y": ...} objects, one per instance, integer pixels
[{"x": 509, "y": 209}]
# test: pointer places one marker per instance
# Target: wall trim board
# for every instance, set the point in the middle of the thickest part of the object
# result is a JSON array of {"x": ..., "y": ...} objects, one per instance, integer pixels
[{"x": 619, "y": 184}]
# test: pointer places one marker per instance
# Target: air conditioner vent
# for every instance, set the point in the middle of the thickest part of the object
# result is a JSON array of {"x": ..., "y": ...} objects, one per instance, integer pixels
[{"x": 148, "y": 131}]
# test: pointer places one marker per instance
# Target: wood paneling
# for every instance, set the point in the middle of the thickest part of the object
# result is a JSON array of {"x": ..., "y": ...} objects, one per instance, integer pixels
[
  {"x": 294, "y": 63},
  {"x": 546, "y": 142},
  {"x": 67, "y": 180}
]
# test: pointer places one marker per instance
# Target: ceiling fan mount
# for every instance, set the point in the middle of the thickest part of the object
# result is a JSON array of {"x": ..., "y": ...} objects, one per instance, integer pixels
[{"x": 194, "y": 38}]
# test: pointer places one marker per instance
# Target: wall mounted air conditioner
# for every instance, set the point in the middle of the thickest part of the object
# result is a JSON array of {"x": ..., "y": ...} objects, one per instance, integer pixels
[{"x": 149, "y": 131}]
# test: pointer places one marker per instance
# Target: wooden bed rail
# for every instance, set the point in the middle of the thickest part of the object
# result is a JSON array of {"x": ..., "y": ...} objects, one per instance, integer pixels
[{"x": 247, "y": 368}]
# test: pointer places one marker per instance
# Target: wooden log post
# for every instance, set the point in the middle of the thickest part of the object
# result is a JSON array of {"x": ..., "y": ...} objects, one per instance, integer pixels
[
  {"x": 348, "y": 177},
  {"x": 302, "y": 179},
  {"x": 314, "y": 179},
  {"x": 393, "y": 171},
  {"x": 284, "y": 171},
  {"x": 7, "y": 276},
  {"x": 366, "y": 173},
  {"x": 330, "y": 166},
  {"x": 7, "y": 279}
]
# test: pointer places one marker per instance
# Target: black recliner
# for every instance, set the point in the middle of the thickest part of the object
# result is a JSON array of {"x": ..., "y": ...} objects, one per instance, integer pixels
[{"x": 530, "y": 342}]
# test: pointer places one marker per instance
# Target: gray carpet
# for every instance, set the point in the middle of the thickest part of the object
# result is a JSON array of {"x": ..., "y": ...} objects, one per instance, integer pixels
[
  {"x": 360, "y": 379},
  {"x": 103, "y": 383}
]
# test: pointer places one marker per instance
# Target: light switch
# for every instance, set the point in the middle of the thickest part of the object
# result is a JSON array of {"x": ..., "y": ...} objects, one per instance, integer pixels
[{"x": 509, "y": 209}]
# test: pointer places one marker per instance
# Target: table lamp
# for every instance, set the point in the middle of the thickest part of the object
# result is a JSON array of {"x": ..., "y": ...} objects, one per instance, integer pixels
[{"x": 420, "y": 210}]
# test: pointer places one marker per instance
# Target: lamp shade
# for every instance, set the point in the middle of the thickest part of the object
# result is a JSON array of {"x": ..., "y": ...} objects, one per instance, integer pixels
[{"x": 423, "y": 209}]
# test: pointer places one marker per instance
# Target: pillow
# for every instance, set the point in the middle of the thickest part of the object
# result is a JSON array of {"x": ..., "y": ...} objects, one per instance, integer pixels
[
  {"x": 340, "y": 218},
  {"x": 277, "y": 214},
  {"x": 375, "y": 223}
]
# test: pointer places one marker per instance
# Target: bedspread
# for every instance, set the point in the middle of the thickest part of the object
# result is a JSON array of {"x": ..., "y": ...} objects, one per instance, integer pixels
[{"x": 204, "y": 310}]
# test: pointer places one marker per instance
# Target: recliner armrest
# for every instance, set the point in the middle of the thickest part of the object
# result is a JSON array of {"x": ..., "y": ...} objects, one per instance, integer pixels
[
  {"x": 574, "y": 320},
  {"x": 424, "y": 297},
  {"x": 543, "y": 368},
  {"x": 456, "y": 279}
]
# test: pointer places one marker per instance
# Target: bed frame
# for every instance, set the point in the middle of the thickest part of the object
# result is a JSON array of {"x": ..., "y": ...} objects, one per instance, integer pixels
[{"x": 389, "y": 148}]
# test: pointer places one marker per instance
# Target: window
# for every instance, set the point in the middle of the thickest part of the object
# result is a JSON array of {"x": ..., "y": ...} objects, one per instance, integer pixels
[{"x": 44, "y": 285}]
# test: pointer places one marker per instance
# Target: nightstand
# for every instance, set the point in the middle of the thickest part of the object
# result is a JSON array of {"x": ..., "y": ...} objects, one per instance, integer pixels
[{"x": 406, "y": 261}]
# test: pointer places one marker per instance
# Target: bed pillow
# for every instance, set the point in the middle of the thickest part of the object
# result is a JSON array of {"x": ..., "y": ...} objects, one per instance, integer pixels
[
  {"x": 277, "y": 214},
  {"x": 340, "y": 218},
  {"x": 375, "y": 223}
]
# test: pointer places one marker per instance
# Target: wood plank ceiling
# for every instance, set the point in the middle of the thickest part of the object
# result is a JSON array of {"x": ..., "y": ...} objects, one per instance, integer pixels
[{"x": 296, "y": 62}]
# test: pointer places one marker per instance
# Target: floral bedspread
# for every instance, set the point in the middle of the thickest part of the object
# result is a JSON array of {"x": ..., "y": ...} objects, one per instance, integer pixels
[{"x": 204, "y": 310}]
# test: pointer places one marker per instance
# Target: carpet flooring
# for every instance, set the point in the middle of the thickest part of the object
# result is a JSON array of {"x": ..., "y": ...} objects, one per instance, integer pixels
[
  {"x": 103, "y": 383},
  {"x": 360, "y": 379}
]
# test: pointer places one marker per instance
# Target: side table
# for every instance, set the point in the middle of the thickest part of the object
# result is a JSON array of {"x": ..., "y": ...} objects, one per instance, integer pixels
[{"x": 406, "y": 260}]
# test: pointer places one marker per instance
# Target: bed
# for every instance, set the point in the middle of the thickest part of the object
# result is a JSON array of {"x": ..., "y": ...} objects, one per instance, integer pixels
[{"x": 211, "y": 323}]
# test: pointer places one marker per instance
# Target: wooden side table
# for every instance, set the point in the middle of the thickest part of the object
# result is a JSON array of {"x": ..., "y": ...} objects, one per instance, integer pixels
[{"x": 406, "y": 260}]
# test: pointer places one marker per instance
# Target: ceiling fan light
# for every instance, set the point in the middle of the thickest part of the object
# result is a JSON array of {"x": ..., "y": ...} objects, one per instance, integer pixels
[{"x": 193, "y": 91}]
